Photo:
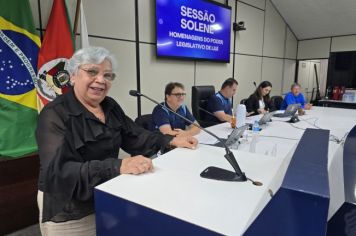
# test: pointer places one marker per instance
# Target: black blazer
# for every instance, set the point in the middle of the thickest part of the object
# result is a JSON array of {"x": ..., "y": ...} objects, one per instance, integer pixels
[{"x": 252, "y": 104}]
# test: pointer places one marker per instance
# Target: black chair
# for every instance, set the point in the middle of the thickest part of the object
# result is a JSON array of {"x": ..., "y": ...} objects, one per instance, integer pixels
[
  {"x": 243, "y": 101},
  {"x": 145, "y": 121},
  {"x": 277, "y": 101},
  {"x": 200, "y": 96}
]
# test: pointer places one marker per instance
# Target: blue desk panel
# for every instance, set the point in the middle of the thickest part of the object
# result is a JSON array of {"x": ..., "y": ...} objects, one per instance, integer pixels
[
  {"x": 300, "y": 206},
  {"x": 117, "y": 216},
  {"x": 343, "y": 221}
]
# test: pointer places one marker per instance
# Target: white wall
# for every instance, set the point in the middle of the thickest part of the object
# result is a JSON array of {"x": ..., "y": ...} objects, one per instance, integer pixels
[
  {"x": 321, "y": 47},
  {"x": 314, "y": 48},
  {"x": 265, "y": 51},
  {"x": 344, "y": 43}
]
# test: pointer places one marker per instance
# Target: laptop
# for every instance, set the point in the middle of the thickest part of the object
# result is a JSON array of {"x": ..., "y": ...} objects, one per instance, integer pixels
[
  {"x": 266, "y": 118},
  {"x": 233, "y": 137},
  {"x": 290, "y": 111}
]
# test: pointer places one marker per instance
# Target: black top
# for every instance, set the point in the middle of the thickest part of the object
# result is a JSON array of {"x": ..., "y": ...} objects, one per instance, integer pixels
[
  {"x": 78, "y": 152},
  {"x": 252, "y": 104}
]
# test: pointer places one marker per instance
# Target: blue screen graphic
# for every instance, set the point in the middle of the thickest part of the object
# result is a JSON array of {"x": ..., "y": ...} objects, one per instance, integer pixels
[{"x": 196, "y": 29}]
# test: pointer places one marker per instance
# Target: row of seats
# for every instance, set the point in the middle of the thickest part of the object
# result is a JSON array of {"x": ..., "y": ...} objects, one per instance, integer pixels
[{"x": 200, "y": 96}]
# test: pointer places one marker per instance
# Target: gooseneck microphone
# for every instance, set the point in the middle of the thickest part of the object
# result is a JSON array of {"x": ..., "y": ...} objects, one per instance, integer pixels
[
  {"x": 207, "y": 112},
  {"x": 210, "y": 172},
  {"x": 254, "y": 83}
]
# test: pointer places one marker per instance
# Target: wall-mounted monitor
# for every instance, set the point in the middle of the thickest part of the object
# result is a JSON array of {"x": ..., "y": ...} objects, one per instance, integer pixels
[
  {"x": 193, "y": 29},
  {"x": 342, "y": 69}
]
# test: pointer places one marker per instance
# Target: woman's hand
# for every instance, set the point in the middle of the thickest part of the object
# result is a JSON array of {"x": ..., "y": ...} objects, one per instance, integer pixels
[
  {"x": 262, "y": 111},
  {"x": 136, "y": 165},
  {"x": 185, "y": 142}
]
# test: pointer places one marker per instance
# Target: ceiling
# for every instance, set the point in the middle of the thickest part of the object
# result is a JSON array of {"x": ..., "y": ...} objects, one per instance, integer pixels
[{"x": 318, "y": 18}]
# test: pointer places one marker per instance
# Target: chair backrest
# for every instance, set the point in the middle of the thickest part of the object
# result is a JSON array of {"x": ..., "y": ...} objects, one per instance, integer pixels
[
  {"x": 243, "y": 101},
  {"x": 200, "y": 96},
  {"x": 277, "y": 101},
  {"x": 145, "y": 121}
]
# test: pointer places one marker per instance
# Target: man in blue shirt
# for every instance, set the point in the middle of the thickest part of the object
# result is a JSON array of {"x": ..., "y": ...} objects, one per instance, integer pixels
[
  {"x": 294, "y": 97},
  {"x": 169, "y": 123},
  {"x": 220, "y": 103}
]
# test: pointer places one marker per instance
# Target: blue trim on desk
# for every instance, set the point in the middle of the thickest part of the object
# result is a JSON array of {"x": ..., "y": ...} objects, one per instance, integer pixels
[
  {"x": 117, "y": 216},
  {"x": 350, "y": 166},
  {"x": 343, "y": 221},
  {"x": 300, "y": 206}
]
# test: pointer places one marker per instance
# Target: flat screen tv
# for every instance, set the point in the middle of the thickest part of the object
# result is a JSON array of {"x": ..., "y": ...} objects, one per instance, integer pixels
[
  {"x": 196, "y": 30},
  {"x": 342, "y": 69}
]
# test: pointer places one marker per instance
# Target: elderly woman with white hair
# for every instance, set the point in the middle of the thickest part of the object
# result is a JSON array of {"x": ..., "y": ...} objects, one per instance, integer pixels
[{"x": 79, "y": 135}]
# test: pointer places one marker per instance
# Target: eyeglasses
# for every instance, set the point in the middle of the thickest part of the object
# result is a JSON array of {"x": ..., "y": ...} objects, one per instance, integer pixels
[
  {"x": 178, "y": 95},
  {"x": 109, "y": 76}
]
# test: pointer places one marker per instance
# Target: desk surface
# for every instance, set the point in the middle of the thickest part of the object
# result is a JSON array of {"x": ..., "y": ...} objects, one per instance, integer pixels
[
  {"x": 170, "y": 189},
  {"x": 286, "y": 135},
  {"x": 335, "y": 101},
  {"x": 224, "y": 207}
]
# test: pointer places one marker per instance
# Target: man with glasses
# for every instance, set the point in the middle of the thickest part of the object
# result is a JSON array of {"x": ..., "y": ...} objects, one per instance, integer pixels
[
  {"x": 169, "y": 123},
  {"x": 220, "y": 103}
]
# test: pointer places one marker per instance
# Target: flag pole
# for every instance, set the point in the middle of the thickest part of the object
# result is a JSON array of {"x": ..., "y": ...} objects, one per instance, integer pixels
[
  {"x": 40, "y": 19},
  {"x": 77, "y": 11}
]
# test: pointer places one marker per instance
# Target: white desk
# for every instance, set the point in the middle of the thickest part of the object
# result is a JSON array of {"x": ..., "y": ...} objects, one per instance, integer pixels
[
  {"x": 176, "y": 189},
  {"x": 338, "y": 121}
]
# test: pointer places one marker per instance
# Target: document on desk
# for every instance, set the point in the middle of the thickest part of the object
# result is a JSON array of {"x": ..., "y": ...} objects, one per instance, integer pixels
[{"x": 205, "y": 138}]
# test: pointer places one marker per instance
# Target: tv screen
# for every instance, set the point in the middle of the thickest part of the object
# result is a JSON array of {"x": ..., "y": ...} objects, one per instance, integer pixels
[
  {"x": 342, "y": 69},
  {"x": 197, "y": 30}
]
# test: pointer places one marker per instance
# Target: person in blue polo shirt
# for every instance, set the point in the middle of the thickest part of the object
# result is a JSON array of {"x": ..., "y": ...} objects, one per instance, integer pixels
[
  {"x": 169, "y": 123},
  {"x": 294, "y": 97},
  {"x": 220, "y": 103}
]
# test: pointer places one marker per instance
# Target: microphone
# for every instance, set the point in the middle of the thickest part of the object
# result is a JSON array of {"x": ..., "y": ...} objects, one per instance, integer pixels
[
  {"x": 254, "y": 83},
  {"x": 294, "y": 119},
  {"x": 210, "y": 172},
  {"x": 134, "y": 93}
]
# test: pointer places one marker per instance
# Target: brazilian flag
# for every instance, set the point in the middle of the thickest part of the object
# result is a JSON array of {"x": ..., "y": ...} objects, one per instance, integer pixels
[{"x": 19, "y": 46}]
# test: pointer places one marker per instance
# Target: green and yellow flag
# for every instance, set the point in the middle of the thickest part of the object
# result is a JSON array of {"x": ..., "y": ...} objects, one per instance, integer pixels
[{"x": 19, "y": 46}]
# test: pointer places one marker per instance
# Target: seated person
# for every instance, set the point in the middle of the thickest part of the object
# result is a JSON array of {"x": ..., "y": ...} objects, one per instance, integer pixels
[
  {"x": 294, "y": 97},
  {"x": 220, "y": 103},
  {"x": 260, "y": 102},
  {"x": 169, "y": 123}
]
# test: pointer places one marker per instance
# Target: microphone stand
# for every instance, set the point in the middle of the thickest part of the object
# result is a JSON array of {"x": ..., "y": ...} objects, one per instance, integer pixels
[
  {"x": 210, "y": 172},
  {"x": 208, "y": 112}
]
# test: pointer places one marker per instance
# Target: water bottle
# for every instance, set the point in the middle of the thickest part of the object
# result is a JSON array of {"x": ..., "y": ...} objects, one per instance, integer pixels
[
  {"x": 255, "y": 127},
  {"x": 255, "y": 130},
  {"x": 241, "y": 115},
  {"x": 253, "y": 144}
]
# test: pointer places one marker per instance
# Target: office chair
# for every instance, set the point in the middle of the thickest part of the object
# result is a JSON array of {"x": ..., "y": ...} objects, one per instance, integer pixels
[
  {"x": 277, "y": 101},
  {"x": 145, "y": 121},
  {"x": 243, "y": 101},
  {"x": 200, "y": 96}
]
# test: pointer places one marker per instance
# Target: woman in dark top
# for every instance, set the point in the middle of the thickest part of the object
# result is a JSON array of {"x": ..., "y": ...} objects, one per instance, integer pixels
[
  {"x": 79, "y": 135},
  {"x": 260, "y": 102}
]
